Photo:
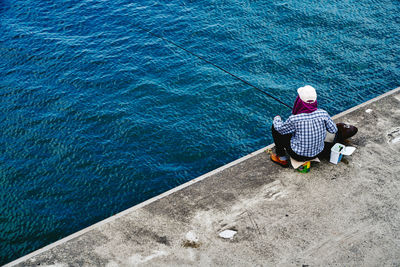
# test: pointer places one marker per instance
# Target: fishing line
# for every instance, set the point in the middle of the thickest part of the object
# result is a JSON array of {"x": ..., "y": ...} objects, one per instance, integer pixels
[{"x": 211, "y": 63}]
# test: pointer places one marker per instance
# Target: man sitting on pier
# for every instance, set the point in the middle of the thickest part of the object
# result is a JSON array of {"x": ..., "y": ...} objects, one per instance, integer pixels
[{"x": 303, "y": 134}]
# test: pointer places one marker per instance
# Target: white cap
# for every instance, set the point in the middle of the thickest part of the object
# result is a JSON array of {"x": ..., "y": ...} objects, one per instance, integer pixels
[{"x": 307, "y": 94}]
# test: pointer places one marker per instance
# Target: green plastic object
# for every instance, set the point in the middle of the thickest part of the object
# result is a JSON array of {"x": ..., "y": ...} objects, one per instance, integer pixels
[{"x": 305, "y": 167}]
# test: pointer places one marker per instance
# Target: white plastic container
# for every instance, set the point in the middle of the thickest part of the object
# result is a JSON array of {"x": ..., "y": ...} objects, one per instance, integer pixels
[{"x": 338, "y": 150}]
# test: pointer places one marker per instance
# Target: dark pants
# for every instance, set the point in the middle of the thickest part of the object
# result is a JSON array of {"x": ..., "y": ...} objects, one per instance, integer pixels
[{"x": 282, "y": 145}]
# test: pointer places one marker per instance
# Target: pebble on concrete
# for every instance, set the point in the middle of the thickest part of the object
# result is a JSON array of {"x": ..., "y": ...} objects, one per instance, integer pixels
[{"x": 227, "y": 234}]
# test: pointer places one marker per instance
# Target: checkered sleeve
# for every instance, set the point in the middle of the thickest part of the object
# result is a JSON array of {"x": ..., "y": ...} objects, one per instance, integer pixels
[
  {"x": 330, "y": 125},
  {"x": 284, "y": 127}
]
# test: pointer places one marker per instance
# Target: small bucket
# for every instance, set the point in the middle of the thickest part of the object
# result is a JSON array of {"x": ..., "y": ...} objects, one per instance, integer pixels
[
  {"x": 338, "y": 150},
  {"x": 336, "y": 153}
]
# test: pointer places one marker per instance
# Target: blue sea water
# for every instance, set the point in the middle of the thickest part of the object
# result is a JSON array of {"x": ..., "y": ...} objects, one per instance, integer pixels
[{"x": 97, "y": 115}]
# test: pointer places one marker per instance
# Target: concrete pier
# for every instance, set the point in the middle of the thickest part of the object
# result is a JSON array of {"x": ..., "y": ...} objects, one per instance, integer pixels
[{"x": 343, "y": 215}]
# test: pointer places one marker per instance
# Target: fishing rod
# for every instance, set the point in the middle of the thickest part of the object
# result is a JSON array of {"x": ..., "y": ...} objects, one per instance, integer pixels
[{"x": 211, "y": 63}]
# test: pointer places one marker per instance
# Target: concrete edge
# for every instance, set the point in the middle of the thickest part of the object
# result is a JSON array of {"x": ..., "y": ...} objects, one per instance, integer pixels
[
  {"x": 138, "y": 206},
  {"x": 391, "y": 92},
  {"x": 171, "y": 191}
]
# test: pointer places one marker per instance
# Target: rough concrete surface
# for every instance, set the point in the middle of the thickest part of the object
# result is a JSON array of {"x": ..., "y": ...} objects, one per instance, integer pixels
[{"x": 341, "y": 215}]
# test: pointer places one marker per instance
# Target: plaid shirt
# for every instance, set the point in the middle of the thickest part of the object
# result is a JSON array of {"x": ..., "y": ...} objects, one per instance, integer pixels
[{"x": 308, "y": 131}]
